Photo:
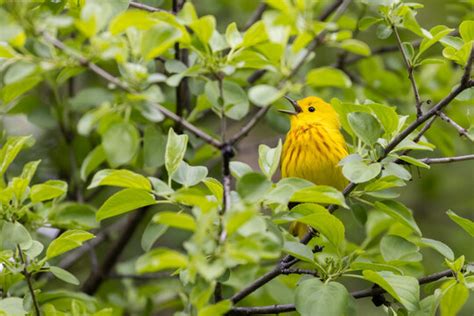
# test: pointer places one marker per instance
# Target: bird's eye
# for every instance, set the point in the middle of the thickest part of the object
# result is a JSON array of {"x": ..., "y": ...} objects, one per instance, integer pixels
[{"x": 311, "y": 109}]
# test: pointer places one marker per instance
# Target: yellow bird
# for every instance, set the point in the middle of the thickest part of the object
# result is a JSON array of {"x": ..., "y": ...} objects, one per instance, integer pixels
[{"x": 314, "y": 146}]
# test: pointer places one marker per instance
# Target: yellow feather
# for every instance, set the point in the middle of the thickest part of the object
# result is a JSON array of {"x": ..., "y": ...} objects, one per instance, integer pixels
[{"x": 313, "y": 148}]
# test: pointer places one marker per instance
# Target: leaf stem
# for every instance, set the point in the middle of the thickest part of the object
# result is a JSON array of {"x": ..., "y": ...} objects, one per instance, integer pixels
[{"x": 28, "y": 281}]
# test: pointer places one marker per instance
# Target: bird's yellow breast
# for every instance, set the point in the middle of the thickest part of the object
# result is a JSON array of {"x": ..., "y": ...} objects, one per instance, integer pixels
[{"x": 312, "y": 152}]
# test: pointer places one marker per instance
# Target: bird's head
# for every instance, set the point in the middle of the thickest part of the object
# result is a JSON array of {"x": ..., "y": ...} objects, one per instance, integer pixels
[{"x": 312, "y": 110}]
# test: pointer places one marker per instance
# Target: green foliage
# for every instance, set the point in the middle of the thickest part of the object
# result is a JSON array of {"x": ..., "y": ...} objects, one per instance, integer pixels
[{"x": 136, "y": 111}]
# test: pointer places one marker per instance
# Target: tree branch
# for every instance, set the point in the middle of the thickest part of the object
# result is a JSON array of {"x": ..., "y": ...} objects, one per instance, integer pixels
[
  {"x": 257, "y": 15},
  {"x": 145, "y": 7},
  {"x": 182, "y": 90},
  {"x": 338, "y": 10},
  {"x": 95, "y": 279},
  {"x": 117, "y": 82},
  {"x": 275, "y": 309},
  {"x": 410, "y": 72},
  {"x": 431, "y": 161},
  {"x": 27, "y": 276},
  {"x": 461, "y": 130}
]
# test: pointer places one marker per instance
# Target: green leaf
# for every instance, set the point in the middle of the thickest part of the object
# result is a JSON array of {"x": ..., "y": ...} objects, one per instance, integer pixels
[
  {"x": 215, "y": 187},
  {"x": 14, "y": 234},
  {"x": 68, "y": 240},
  {"x": 71, "y": 215},
  {"x": 11, "y": 149},
  {"x": 93, "y": 160},
  {"x": 264, "y": 95},
  {"x": 414, "y": 162},
  {"x": 367, "y": 22},
  {"x": 124, "y": 201},
  {"x": 328, "y": 77},
  {"x": 6, "y": 51},
  {"x": 315, "y": 298},
  {"x": 387, "y": 116},
  {"x": 384, "y": 31},
  {"x": 465, "y": 223},
  {"x": 356, "y": 47},
  {"x": 232, "y": 35},
  {"x": 435, "y": 34},
  {"x": 217, "y": 309},
  {"x": 253, "y": 186},
  {"x": 11, "y": 91},
  {"x": 203, "y": 28},
  {"x": 236, "y": 103},
  {"x": 154, "y": 146},
  {"x": 120, "y": 142},
  {"x": 151, "y": 234},
  {"x": 178, "y": 220},
  {"x": 175, "y": 149},
  {"x": 64, "y": 275},
  {"x": 358, "y": 171},
  {"x": 189, "y": 175},
  {"x": 466, "y": 29},
  {"x": 239, "y": 169},
  {"x": 404, "y": 289},
  {"x": 439, "y": 246},
  {"x": 255, "y": 34},
  {"x": 48, "y": 190},
  {"x": 299, "y": 251},
  {"x": 365, "y": 126},
  {"x": 120, "y": 178},
  {"x": 319, "y": 194},
  {"x": 158, "y": 40},
  {"x": 400, "y": 213},
  {"x": 453, "y": 299},
  {"x": 141, "y": 20},
  {"x": 396, "y": 248},
  {"x": 160, "y": 259},
  {"x": 323, "y": 221},
  {"x": 160, "y": 188},
  {"x": 12, "y": 306},
  {"x": 360, "y": 265},
  {"x": 269, "y": 158}
]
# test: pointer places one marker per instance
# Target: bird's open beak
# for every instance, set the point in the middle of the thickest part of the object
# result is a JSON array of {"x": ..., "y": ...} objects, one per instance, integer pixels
[{"x": 295, "y": 106}]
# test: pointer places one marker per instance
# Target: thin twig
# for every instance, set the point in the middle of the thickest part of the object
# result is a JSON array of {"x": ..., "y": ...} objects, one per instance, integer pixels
[
  {"x": 410, "y": 69},
  {"x": 461, "y": 130},
  {"x": 431, "y": 161},
  {"x": 141, "y": 277},
  {"x": 115, "y": 250},
  {"x": 117, "y": 82},
  {"x": 372, "y": 291},
  {"x": 27, "y": 276},
  {"x": 145, "y": 7},
  {"x": 299, "y": 271},
  {"x": 338, "y": 10},
  {"x": 182, "y": 90},
  {"x": 257, "y": 15}
]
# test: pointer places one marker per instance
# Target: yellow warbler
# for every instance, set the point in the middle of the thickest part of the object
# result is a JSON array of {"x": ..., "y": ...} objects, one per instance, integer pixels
[{"x": 313, "y": 147}]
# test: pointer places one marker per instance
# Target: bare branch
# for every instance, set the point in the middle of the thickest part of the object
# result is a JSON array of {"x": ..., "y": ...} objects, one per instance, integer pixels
[
  {"x": 116, "y": 81},
  {"x": 410, "y": 73},
  {"x": 431, "y": 161},
  {"x": 141, "y": 277},
  {"x": 299, "y": 271},
  {"x": 275, "y": 309},
  {"x": 145, "y": 7},
  {"x": 182, "y": 90},
  {"x": 257, "y": 15},
  {"x": 115, "y": 250},
  {"x": 461, "y": 130}
]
